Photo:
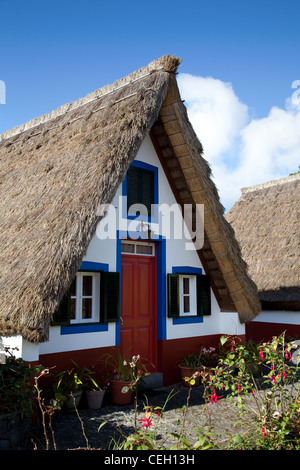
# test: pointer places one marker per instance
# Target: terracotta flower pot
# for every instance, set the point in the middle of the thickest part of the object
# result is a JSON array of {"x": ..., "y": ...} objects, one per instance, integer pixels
[
  {"x": 121, "y": 394},
  {"x": 186, "y": 371},
  {"x": 94, "y": 398}
]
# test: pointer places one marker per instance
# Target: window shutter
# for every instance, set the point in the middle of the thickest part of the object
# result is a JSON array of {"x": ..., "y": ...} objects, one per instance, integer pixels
[
  {"x": 147, "y": 189},
  {"x": 173, "y": 295},
  {"x": 140, "y": 188},
  {"x": 132, "y": 187},
  {"x": 109, "y": 297},
  {"x": 203, "y": 295},
  {"x": 61, "y": 316}
]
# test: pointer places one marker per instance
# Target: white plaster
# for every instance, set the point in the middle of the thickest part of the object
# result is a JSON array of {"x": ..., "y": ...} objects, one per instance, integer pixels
[
  {"x": 278, "y": 316},
  {"x": 20, "y": 347},
  {"x": 79, "y": 341}
]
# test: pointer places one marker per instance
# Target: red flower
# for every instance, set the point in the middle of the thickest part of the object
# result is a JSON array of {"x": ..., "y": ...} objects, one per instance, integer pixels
[
  {"x": 287, "y": 355},
  {"x": 261, "y": 355},
  {"x": 263, "y": 432},
  {"x": 214, "y": 398},
  {"x": 147, "y": 421}
]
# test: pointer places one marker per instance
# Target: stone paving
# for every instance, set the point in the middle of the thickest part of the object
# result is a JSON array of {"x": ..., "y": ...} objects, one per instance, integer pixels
[{"x": 70, "y": 432}]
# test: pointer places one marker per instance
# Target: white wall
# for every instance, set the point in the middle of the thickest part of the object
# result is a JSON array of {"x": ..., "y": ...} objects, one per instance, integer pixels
[
  {"x": 278, "y": 316},
  {"x": 20, "y": 347}
]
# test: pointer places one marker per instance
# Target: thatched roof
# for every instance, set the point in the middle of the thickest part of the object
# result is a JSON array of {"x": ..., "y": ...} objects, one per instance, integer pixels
[
  {"x": 57, "y": 169},
  {"x": 266, "y": 221}
]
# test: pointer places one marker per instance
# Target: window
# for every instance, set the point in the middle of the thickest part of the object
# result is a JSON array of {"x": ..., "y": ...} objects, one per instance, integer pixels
[
  {"x": 140, "y": 190},
  {"x": 84, "y": 298},
  {"x": 135, "y": 248},
  {"x": 140, "y": 187},
  {"x": 188, "y": 295},
  {"x": 93, "y": 297}
]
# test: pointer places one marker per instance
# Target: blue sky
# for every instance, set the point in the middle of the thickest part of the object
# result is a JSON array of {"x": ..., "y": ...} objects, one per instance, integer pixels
[{"x": 240, "y": 59}]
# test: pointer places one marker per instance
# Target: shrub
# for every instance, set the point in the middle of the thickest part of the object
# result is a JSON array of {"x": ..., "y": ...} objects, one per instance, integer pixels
[
  {"x": 269, "y": 405},
  {"x": 16, "y": 389}
]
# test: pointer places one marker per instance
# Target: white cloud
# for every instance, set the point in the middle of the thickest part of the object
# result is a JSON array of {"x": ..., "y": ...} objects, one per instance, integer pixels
[{"x": 241, "y": 152}]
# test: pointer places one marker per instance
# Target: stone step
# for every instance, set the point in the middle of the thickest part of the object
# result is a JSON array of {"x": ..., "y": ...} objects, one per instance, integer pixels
[{"x": 151, "y": 381}]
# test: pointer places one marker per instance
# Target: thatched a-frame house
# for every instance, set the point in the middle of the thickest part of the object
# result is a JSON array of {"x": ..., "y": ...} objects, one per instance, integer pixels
[
  {"x": 266, "y": 221},
  {"x": 57, "y": 169}
]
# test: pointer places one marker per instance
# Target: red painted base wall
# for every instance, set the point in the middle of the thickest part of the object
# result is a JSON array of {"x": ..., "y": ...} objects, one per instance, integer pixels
[
  {"x": 170, "y": 354},
  {"x": 263, "y": 331}
]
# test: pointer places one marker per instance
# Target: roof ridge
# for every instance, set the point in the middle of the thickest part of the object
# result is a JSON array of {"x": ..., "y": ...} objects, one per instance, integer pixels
[
  {"x": 269, "y": 184},
  {"x": 165, "y": 63}
]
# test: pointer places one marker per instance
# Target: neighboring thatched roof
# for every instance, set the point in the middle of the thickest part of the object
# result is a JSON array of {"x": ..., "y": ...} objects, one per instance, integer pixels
[
  {"x": 57, "y": 169},
  {"x": 266, "y": 221}
]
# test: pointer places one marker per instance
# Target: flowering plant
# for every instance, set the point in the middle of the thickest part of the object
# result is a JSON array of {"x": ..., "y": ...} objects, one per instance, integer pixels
[
  {"x": 129, "y": 369},
  {"x": 269, "y": 406},
  {"x": 208, "y": 356}
]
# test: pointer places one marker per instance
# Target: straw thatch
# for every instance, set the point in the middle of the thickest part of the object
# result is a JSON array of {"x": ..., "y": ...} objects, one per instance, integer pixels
[
  {"x": 266, "y": 221},
  {"x": 57, "y": 169}
]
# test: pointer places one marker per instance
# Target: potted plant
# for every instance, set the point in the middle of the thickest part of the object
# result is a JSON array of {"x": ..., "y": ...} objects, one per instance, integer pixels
[
  {"x": 94, "y": 388},
  {"x": 190, "y": 368},
  {"x": 68, "y": 388},
  {"x": 209, "y": 357},
  {"x": 126, "y": 373}
]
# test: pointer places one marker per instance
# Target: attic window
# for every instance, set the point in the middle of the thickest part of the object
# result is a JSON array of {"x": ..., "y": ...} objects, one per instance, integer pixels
[{"x": 141, "y": 189}]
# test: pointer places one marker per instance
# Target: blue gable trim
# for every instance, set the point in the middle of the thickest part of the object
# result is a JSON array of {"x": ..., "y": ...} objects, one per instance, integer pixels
[
  {"x": 92, "y": 266},
  {"x": 76, "y": 329},
  {"x": 186, "y": 270}
]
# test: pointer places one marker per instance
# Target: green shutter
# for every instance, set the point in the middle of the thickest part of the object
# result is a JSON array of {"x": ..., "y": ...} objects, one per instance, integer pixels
[
  {"x": 203, "y": 295},
  {"x": 140, "y": 188},
  {"x": 173, "y": 295},
  {"x": 132, "y": 187},
  {"x": 62, "y": 314},
  {"x": 147, "y": 189},
  {"x": 109, "y": 297}
]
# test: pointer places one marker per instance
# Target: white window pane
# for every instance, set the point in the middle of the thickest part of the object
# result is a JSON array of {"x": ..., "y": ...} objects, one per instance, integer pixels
[
  {"x": 186, "y": 285},
  {"x": 87, "y": 285},
  {"x": 86, "y": 309},
  {"x": 186, "y": 304}
]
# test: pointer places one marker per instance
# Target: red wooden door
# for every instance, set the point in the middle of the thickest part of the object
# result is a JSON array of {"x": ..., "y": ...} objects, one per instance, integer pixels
[{"x": 138, "y": 306}]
